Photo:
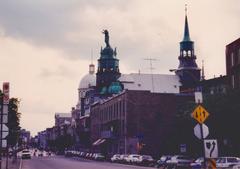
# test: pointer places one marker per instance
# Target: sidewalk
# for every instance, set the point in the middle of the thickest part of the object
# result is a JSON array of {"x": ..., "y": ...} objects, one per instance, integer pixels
[{"x": 12, "y": 164}]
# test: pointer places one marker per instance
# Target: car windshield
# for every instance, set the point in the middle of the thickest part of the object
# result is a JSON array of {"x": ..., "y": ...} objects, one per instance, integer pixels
[
  {"x": 199, "y": 160},
  {"x": 25, "y": 151},
  {"x": 183, "y": 158},
  {"x": 232, "y": 160},
  {"x": 221, "y": 160}
]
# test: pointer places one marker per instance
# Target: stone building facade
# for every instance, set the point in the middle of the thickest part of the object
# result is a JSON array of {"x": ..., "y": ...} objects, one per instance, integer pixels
[
  {"x": 233, "y": 63},
  {"x": 134, "y": 122}
]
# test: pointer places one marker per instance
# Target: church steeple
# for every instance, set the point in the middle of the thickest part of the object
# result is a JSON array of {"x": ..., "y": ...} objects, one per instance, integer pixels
[
  {"x": 186, "y": 36},
  {"x": 108, "y": 67},
  {"x": 188, "y": 70}
]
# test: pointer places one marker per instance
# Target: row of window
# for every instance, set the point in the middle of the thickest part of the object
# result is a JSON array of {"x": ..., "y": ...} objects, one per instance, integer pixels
[{"x": 111, "y": 112}]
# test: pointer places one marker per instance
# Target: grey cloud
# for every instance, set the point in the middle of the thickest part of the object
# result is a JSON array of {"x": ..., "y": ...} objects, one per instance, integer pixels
[{"x": 61, "y": 71}]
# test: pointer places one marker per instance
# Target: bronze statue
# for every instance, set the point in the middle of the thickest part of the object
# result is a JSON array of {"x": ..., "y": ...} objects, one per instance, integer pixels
[{"x": 105, "y": 32}]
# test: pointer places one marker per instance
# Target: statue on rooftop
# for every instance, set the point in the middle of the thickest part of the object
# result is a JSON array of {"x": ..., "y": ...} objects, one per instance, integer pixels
[{"x": 105, "y": 32}]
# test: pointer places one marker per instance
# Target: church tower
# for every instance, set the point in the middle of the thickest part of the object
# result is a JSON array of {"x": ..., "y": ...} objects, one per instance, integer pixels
[
  {"x": 188, "y": 71},
  {"x": 108, "y": 69}
]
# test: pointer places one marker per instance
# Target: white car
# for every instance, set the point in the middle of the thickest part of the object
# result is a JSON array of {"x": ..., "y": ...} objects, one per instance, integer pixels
[
  {"x": 236, "y": 166},
  {"x": 133, "y": 158},
  {"x": 179, "y": 161},
  {"x": 115, "y": 158},
  {"x": 26, "y": 154},
  {"x": 225, "y": 162},
  {"x": 145, "y": 160}
]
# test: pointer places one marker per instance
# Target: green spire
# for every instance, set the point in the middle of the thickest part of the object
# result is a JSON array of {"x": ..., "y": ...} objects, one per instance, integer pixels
[{"x": 186, "y": 31}]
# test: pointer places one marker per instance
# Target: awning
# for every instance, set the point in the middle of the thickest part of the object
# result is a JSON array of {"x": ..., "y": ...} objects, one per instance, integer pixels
[
  {"x": 102, "y": 141},
  {"x": 98, "y": 142}
]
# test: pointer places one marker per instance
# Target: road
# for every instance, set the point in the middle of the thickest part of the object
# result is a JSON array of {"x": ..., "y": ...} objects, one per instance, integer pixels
[{"x": 59, "y": 162}]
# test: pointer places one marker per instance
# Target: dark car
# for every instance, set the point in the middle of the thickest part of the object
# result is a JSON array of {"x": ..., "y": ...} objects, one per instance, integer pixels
[
  {"x": 146, "y": 160},
  {"x": 162, "y": 162},
  {"x": 99, "y": 157}
]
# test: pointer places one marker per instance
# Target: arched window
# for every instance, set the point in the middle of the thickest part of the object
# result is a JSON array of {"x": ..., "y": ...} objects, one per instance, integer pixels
[{"x": 184, "y": 53}]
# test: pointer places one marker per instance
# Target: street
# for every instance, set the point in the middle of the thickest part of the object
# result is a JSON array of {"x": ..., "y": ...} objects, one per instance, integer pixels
[{"x": 59, "y": 162}]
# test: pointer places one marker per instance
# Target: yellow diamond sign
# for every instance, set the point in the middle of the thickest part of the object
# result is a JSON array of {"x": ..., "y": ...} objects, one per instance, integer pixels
[{"x": 200, "y": 114}]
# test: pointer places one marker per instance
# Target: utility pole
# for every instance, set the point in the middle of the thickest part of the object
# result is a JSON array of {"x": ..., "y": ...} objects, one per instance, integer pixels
[{"x": 151, "y": 69}]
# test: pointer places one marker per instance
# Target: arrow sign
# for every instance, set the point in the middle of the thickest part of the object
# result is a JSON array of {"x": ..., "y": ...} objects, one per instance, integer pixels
[
  {"x": 197, "y": 131},
  {"x": 211, "y": 148},
  {"x": 200, "y": 114}
]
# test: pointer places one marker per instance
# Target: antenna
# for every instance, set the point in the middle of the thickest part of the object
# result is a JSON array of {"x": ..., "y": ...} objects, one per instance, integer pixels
[
  {"x": 185, "y": 9},
  {"x": 203, "y": 74},
  {"x": 151, "y": 69},
  {"x": 91, "y": 56}
]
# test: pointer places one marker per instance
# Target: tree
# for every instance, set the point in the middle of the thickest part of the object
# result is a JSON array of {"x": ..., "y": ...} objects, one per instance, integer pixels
[{"x": 13, "y": 122}]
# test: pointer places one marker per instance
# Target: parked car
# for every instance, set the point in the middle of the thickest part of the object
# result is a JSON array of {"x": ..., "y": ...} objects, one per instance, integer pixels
[
  {"x": 99, "y": 157},
  {"x": 225, "y": 162},
  {"x": 179, "y": 161},
  {"x": 115, "y": 158},
  {"x": 236, "y": 166},
  {"x": 162, "y": 162},
  {"x": 198, "y": 163},
  {"x": 26, "y": 154},
  {"x": 123, "y": 158},
  {"x": 145, "y": 160},
  {"x": 68, "y": 153},
  {"x": 40, "y": 154},
  {"x": 132, "y": 158}
]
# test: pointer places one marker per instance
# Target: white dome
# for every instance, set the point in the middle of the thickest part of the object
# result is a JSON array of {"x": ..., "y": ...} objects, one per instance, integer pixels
[{"x": 87, "y": 81}]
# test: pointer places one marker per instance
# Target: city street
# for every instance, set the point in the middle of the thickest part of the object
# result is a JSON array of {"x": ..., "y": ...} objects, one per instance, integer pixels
[{"x": 58, "y": 162}]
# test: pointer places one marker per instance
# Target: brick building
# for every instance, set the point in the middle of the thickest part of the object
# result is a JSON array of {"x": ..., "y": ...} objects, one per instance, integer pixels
[
  {"x": 134, "y": 122},
  {"x": 233, "y": 63}
]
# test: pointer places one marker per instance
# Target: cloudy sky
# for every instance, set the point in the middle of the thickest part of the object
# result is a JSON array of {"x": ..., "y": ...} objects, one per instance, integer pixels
[{"x": 45, "y": 45}]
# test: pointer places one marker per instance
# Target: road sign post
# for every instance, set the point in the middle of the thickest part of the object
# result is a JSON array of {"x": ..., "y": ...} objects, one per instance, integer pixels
[
  {"x": 200, "y": 114},
  {"x": 4, "y": 101}
]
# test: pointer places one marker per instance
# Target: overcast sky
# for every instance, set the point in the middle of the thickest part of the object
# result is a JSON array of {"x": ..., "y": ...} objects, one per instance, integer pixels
[{"x": 45, "y": 45}]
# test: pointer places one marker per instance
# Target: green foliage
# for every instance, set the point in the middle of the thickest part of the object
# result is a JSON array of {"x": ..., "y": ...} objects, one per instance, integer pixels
[{"x": 13, "y": 122}]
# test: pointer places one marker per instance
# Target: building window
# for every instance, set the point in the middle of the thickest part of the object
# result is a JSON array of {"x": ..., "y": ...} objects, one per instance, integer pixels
[
  {"x": 233, "y": 82},
  {"x": 232, "y": 59},
  {"x": 184, "y": 53}
]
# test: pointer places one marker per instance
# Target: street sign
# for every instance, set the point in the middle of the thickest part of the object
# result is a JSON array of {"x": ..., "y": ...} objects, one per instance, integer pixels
[
  {"x": 183, "y": 148},
  {"x": 4, "y": 127},
  {"x": 198, "y": 97},
  {"x": 197, "y": 131},
  {"x": 200, "y": 114},
  {"x": 6, "y": 93},
  {"x": 4, "y": 118},
  {"x": 4, "y": 143},
  {"x": 211, "y": 148}
]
